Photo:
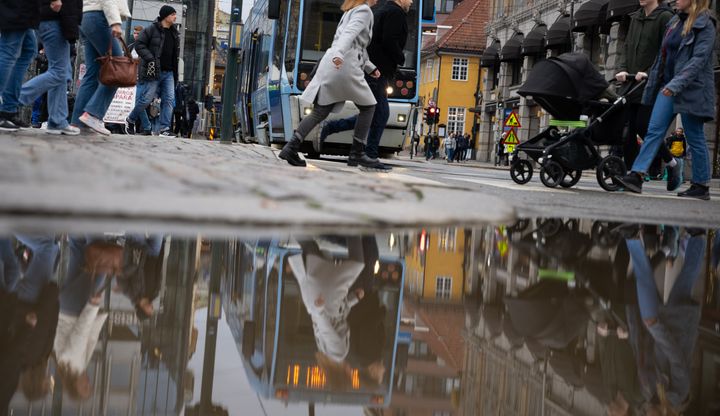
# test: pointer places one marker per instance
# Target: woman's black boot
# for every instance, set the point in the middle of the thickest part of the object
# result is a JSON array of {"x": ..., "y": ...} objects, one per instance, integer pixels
[{"x": 291, "y": 150}]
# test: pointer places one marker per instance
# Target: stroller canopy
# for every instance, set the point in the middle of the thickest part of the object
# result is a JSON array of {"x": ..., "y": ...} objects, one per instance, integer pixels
[{"x": 563, "y": 85}]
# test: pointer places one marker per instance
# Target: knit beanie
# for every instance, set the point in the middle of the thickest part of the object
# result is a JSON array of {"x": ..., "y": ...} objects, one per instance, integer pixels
[{"x": 166, "y": 11}]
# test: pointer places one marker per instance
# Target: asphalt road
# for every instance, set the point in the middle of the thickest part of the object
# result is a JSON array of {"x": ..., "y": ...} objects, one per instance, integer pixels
[{"x": 586, "y": 200}]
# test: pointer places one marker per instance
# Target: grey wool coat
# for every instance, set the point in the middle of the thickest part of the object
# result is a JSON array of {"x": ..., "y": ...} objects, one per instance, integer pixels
[{"x": 335, "y": 86}]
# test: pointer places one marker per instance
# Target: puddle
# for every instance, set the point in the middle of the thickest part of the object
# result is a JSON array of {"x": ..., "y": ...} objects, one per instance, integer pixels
[{"x": 539, "y": 317}]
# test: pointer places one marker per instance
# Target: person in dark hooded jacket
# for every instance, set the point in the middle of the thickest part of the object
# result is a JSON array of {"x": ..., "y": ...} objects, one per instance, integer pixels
[
  {"x": 159, "y": 49},
  {"x": 642, "y": 42}
]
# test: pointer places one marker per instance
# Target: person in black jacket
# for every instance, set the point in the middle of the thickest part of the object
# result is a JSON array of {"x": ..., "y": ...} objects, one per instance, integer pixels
[
  {"x": 159, "y": 49},
  {"x": 18, "y": 44},
  {"x": 192, "y": 112},
  {"x": 58, "y": 27},
  {"x": 386, "y": 52}
]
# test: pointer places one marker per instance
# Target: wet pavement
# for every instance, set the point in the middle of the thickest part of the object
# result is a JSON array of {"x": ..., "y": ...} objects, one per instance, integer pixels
[
  {"x": 177, "y": 184},
  {"x": 538, "y": 316}
]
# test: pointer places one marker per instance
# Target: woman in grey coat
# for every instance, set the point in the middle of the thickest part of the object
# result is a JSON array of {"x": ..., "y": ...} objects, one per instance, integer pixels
[
  {"x": 681, "y": 82},
  {"x": 340, "y": 77}
]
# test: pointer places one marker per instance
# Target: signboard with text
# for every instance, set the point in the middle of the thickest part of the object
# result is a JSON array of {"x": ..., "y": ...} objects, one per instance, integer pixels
[{"x": 121, "y": 106}]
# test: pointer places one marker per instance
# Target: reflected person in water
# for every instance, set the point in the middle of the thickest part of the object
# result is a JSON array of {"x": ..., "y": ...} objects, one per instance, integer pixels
[
  {"x": 28, "y": 316},
  {"x": 666, "y": 330},
  {"x": 331, "y": 289},
  {"x": 91, "y": 261}
]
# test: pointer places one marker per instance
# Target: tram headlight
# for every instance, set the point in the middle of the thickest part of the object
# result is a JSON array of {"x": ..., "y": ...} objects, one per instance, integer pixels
[
  {"x": 389, "y": 90},
  {"x": 307, "y": 111},
  {"x": 401, "y": 118}
]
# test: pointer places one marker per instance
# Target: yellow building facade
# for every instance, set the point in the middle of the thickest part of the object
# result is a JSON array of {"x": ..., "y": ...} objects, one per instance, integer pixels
[
  {"x": 436, "y": 265},
  {"x": 451, "y": 81}
]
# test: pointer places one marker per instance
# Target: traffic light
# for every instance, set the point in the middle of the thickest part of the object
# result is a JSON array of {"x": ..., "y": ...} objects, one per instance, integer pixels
[
  {"x": 437, "y": 115},
  {"x": 425, "y": 116},
  {"x": 430, "y": 115}
]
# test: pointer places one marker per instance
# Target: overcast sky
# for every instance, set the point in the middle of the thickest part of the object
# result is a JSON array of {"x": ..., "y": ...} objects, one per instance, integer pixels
[{"x": 247, "y": 4}]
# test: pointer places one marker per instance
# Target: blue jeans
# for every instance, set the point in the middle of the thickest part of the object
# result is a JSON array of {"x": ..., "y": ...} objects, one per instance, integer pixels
[
  {"x": 450, "y": 154},
  {"x": 648, "y": 299},
  {"x": 54, "y": 81},
  {"x": 662, "y": 116},
  {"x": 94, "y": 97},
  {"x": 17, "y": 50},
  {"x": 78, "y": 286},
  {"x": 41, "y": 270},
  {"x": 380, "y": 117},
  {"x": 146, "y": 91}
]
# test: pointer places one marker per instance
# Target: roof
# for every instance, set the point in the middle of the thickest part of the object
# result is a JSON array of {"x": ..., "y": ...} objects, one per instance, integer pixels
[{"x": 468, "y": 21}]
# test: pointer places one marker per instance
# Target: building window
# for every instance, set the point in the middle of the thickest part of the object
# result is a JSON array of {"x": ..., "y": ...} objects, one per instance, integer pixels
[
  {"x": 428, "y": 70},
  {"x": 447, "y": 238},
  {"x": 443, "y": 287},
  {"x": 456, "y": 119},
  {"x": 516, "y": 73},
  {"x": 460, "y": 69}
]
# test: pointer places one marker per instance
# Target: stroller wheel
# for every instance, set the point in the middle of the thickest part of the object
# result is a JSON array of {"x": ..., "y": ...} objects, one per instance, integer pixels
[
  {"x": 571, "y": 178},
  {"x": 609, "y": 168},
  {"x": 521, "y": 171},
  {"x": 551, "y": 174}
]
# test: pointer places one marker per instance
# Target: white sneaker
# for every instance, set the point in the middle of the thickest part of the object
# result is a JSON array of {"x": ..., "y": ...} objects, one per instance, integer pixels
[
  {"x": 68, "y": 131},
  {"x": 94, "y": 123}
]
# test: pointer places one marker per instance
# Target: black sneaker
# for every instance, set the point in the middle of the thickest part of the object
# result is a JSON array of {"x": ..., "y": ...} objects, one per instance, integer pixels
[
  {"x": 14, "y": 119},
  {"x": 8, "y": 126},
  {"x": 632, "y": 182},
  {"x": 167, "y": 134},
  {"x": 129, "y": 126},
  {"x": 696, "y": 191},
  {"x": 144, "y": 133}
]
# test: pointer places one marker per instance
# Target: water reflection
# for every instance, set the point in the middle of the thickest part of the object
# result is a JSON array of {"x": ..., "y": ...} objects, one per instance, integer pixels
[{"x": 540, "y": 317}]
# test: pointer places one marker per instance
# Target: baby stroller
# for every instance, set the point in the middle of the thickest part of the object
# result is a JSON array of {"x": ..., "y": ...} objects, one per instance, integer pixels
[{"x": 569, "y": 88}]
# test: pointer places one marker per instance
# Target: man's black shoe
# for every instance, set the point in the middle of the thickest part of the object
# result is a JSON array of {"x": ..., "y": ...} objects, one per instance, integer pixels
[
  {"x": 696, "y": 191},
  {"x": 632, "y": 182},
  {"x": 144, "y": 133},
  {"x": 13, "y": 118}
]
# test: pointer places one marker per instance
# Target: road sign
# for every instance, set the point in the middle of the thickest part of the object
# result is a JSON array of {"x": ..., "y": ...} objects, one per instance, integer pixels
[
  {"x": 511, "y": 138},
  {"x": 512, "y": 120},
  {"x": 509, "y": 148}
]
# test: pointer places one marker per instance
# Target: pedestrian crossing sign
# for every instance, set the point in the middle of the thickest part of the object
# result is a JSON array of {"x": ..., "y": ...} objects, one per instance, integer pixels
[
  {"x": 511, "y": 138},
  {"x": 509, "y": 148},
  {"x": 512, "y": 120}
]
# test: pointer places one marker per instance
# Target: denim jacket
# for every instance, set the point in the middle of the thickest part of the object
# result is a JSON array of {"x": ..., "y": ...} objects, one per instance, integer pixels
[{"x": 693, "y": 84}]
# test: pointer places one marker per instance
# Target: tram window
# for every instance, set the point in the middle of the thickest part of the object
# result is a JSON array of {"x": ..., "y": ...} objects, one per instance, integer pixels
[
  {"x": 279, "y": 41},
  {"x": 411, "y": 45},
  {"x": 292, "y": 36},
  {"x": 319, "y": 24}
]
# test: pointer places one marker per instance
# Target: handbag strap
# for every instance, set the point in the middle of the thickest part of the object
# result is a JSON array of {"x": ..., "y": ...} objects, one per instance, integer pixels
[{"x": 122, "y": 43}]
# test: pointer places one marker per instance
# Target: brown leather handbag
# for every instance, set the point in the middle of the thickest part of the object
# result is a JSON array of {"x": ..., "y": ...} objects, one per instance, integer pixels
[{"x": 118, "y": 71}]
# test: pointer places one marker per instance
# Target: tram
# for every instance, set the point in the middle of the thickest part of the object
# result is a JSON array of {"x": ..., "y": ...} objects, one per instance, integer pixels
[{"x": 282, "y": 40}]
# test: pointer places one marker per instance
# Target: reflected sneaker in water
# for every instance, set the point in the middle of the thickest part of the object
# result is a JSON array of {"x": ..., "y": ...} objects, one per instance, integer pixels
[
  {"x": 674, "y": 175},
  {"x": 68, "y": 131},
  {"x": 94, "y": 123}
]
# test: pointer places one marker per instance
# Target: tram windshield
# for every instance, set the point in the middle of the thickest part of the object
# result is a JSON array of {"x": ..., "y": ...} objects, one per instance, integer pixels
[{"x": 320, "y": 18}]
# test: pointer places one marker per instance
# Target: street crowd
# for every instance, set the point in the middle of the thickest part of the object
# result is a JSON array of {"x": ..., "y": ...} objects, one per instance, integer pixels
[{"x": 48, "y": 31}]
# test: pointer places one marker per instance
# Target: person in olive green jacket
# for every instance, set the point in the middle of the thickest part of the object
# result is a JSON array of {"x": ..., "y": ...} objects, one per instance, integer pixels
[{"x": 642, "y": 43}]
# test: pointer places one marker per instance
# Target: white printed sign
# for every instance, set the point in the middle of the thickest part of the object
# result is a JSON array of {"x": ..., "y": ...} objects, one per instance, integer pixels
[{"x": 121, "y": 105}]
